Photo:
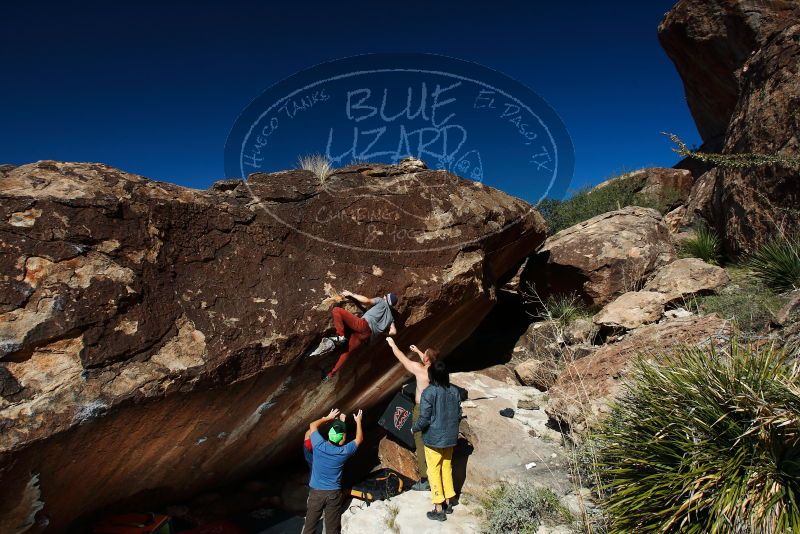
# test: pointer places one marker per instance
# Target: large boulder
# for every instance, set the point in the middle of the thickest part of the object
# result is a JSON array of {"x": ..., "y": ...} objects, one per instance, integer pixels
[
  {"x": 710, "y": 42},
  {"x": 584, "y": 391},
  {"x": 668, "y": 186},
  {"x": 152, "y": 337},
  {"x": 686, "y": 277},
  {"x": 738, "y": 61},
  {"x": 631, "y": 310},
  {"x": 603, "y": 257}
]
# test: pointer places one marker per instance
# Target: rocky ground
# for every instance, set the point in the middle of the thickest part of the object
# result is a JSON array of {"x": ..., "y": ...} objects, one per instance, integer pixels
[{"x": 517, "y": 449}]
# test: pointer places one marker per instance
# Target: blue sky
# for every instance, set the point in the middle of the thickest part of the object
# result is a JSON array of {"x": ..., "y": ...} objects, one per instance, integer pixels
[{"x": 154, "y": 89}]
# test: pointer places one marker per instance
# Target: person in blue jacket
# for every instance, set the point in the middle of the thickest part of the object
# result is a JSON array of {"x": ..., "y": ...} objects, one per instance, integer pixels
[{"x": 440, "y": 414}]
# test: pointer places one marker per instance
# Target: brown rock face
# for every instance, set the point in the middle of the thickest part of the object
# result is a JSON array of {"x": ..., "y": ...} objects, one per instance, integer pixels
[
  {"x": 397, "y": 457},
  {"x": 603, "y": 257},
  {"x": 739, "y": 63},
  {"x": 584, "y": 390},
  {"x": 152, "y": 336},
  {"x": 710, "y": 41}
]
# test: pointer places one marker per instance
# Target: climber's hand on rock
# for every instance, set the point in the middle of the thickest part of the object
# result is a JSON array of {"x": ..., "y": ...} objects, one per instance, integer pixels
[
  {"x": 414, "y": 348},
  {"x": 357, "y": 416},
  {"x": 346, "y": 293},
  {"x": 390, "y": 341},
  {"x": 332, "y": 415}
]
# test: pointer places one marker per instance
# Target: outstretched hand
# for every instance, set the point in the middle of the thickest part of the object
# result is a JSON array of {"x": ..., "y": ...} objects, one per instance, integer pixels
[
  {"x": 332, "y": 415},
  {"x": 390, "y": 341},
  {"x": 414, "y": 348},
  {"x": 357, "y": 416}
]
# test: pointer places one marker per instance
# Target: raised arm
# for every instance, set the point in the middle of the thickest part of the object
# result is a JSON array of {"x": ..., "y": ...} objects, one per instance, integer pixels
[
  {"x": 314, "y": 426},
  {"x": 359, "y": 431},
  {"x": 360, "y": 298},
  {"x": 419, "y": 352},
  {"x": 411, "y": 366}
]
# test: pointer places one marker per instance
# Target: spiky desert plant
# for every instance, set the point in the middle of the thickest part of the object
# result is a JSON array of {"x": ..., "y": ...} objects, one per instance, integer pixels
[
  {"x": 565, "y": 308},
  {"x": 319, "y": 164},
  {"x": 707, "y": 441},
  {"x": 777, "y": 263},
  {"x": 705, "y": 244},
  {"x": 743, "y": 160}
]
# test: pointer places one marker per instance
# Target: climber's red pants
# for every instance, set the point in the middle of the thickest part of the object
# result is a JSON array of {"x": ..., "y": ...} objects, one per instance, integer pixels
[{"x": 359, "y": 334}]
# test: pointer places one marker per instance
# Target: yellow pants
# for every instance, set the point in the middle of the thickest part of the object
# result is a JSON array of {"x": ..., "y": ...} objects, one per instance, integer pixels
[{"x": 440, "y": 473}]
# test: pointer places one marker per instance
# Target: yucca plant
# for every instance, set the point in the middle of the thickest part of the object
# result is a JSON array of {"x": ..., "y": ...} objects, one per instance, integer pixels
[
  {"x": 564, "y": 308},
  {"x": 705, "y": 442},
  {"x": 777, "y": 263},
  {"x": 704, "y": 245}
]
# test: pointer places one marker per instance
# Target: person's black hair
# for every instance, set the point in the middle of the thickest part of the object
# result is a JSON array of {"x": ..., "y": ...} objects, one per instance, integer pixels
[{"x": 438, "y": 375}]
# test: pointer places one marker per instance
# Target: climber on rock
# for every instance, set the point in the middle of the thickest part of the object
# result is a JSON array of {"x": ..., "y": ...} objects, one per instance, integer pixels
[
  {"x": 420, "y": 371},
  {"x": 354, "y": 331}
]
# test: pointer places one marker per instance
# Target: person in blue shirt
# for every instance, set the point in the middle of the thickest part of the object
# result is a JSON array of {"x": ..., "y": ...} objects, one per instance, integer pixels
[
  {"x": 308, "y": 449},
  {"x": 325, "y": 486}
]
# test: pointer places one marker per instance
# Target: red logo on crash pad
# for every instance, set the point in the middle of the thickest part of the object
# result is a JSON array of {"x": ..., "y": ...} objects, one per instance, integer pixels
[{"x": 400, "y": 416}]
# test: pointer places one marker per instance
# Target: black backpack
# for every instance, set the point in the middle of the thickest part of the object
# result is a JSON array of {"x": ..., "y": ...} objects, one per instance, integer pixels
[{"x": 380, "y": 485}]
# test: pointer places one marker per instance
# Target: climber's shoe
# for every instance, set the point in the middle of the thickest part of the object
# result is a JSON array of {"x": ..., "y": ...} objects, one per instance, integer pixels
[
  {"x": 437, "y": 516},
  {"x": 325, "y": 345}
]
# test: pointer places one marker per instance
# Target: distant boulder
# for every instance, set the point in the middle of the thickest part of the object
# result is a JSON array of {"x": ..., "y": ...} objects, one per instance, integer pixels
[
  {"x": 686, "y": 277},
  {"x": 601, "y": 258}
]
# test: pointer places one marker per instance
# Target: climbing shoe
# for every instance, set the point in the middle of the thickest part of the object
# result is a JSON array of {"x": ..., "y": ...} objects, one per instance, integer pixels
[
  {"x": 325, "y": 345},
  {"x": 437, "y": 516}
]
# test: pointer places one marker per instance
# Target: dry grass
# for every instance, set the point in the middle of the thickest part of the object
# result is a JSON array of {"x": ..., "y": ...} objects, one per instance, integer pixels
[{"x": 319, "y": 164}]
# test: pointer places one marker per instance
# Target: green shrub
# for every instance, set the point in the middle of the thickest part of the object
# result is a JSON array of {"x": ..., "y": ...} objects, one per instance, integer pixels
[
  {"x": 590, "y": 202},
  {"x": 704, "y": 245},
  {"x": 521, "y": 509},
  {"x": 706, "y": 442},
  {"x": 564, "y": 308},
  {"x": 746, "y": 301},
  {"x": 777, "y": 263}
]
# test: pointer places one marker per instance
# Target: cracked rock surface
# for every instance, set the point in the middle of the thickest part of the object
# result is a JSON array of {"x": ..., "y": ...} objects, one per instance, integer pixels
[{"x": 152, "y": 336}]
